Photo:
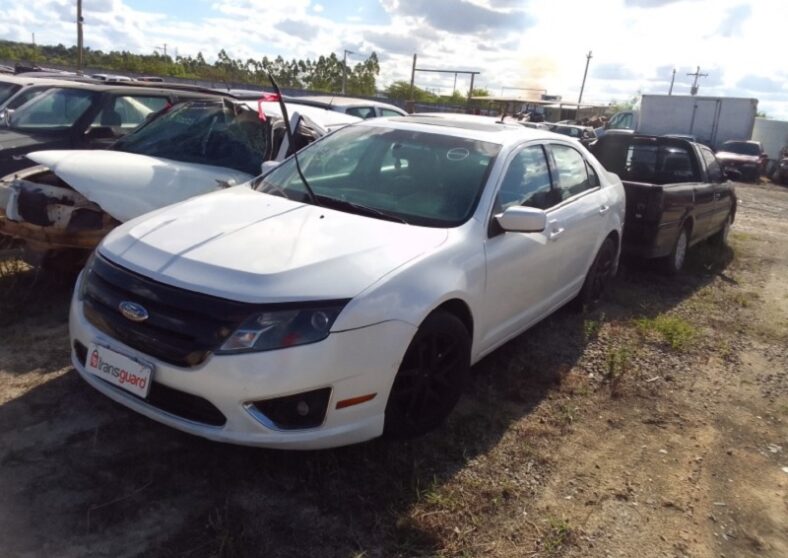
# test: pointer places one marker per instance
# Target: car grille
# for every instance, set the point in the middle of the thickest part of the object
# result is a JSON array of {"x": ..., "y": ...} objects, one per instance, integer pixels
[
  {"x": 182, "y": 327},
  {"x": 173, "y": 401}
]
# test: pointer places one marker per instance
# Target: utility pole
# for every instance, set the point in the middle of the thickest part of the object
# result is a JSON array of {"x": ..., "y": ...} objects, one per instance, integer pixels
[
  {"x": 34, "y": 39},
  {"x": 589, "y": 56},
  {"x": 697, "y": 74},
  {"x": 162, "y": 48},
  {"x": 344, "y": 70},
  {"x": 80, "y": 55},
  {"x": 412, "y": 101},
  {"x": 672, "y": 81}
]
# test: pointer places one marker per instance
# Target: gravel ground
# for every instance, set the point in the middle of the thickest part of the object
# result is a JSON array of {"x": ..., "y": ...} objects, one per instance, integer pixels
[{"x": 654, "y": 426}]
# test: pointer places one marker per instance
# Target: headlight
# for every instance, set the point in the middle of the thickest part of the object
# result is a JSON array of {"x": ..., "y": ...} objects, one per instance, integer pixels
[
  {"x": 278, "y": 329},
  {"x": 82, "y": 284}
]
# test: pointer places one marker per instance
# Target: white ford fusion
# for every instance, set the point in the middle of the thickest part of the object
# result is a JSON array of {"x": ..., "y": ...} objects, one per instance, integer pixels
[{"x": 331, "y": 304}]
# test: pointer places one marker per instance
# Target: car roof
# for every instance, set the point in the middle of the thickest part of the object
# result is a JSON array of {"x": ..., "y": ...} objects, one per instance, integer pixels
[
  {"x": 340, "y": 101},
  {"x": 466, "y": 126},
  {"x": 103, "y": 86}
]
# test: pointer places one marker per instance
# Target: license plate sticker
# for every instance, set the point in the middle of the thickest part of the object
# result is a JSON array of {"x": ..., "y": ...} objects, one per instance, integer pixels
[{"x": 120, "y": 370}]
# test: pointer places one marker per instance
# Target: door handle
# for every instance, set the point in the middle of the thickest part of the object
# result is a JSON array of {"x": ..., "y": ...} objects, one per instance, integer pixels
[
  {"x": 604, "y": 209},
  {"x": 556, "y": 232}
]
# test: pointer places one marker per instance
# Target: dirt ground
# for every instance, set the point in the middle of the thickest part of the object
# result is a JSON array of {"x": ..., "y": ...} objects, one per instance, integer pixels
[{"x": 652, "y": 427}]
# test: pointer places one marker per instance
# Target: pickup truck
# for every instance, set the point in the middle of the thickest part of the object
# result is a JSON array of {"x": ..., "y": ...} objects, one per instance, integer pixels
[{"x": 677, "y": 194}]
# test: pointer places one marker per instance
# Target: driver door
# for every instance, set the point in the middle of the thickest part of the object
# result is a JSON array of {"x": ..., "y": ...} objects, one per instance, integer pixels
[{"x": 520, "y": 286}]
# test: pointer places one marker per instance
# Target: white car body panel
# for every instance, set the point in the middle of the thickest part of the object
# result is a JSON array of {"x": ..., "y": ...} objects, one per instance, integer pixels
[
  {"x": 263, "y": 248},
  {"x": 127, "y": 185}
]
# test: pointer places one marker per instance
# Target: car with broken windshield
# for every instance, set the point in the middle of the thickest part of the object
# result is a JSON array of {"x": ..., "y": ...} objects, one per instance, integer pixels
[
  {"x": 348, "y": 292},
  {"x": 63, "y": 207},
  {"x": 79, "y": 115}
]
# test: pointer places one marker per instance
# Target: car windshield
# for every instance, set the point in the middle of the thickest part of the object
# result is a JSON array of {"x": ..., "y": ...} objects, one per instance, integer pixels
[
  {"x": 740, "y": 147},
  {"x": 420, "y": 178},
  {"x": 208, "y": 133},
  {"x": 7, "y": 90},
  {"x": 55, "y": 109}
]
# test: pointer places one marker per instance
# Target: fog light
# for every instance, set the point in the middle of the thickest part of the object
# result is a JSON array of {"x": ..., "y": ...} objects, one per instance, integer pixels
[{"x": 293, "y": 412}]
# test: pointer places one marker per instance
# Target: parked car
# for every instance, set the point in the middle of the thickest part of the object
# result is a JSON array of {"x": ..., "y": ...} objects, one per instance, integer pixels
[
  {"x": 676, "y": 191},
  {"x": 584, "y": 134},
  {"x": 780, "y": 175},
  {"x": 535, "y": 125},
  {"x": 361, "y": 108},
  {"x": 745, "y": 156},
  {"x": 62, "y": 208},
  {"x": 273, "y": 316},
  {"x": 15, "y": 91},
  {"x": 80, "y": 115}
]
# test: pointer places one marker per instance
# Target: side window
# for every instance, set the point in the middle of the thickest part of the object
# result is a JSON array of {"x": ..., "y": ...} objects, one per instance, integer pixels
[
  {"x": 361, "y": 112},
  {"x": 593, "y": 177},
  {"x": 572, "y": 171},
  {"x": 128, "y": 111},
  {"x": 526, "y": 182},
  {"x": 712, "y": 165},
  {"x": 25, "y": 96},
  {"x": 389, "y": 112}
]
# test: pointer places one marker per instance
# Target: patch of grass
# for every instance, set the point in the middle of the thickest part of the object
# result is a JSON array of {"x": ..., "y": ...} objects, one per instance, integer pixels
[
  {"x": 558, "y": 536},
  {"x": 743, "y": 299},
  {"x": 619, "y": 362},
  {"x": 567, "y": 413},
  {"x": 677, "y": 332},
  {"x": 591, "y": 328}
]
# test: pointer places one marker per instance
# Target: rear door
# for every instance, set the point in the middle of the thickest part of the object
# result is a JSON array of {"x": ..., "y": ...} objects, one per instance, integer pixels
[{"x": 575, "y": 225}]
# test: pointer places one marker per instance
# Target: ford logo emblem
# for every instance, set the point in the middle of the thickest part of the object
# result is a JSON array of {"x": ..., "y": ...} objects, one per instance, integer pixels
[{"x": 133, "y": 311}]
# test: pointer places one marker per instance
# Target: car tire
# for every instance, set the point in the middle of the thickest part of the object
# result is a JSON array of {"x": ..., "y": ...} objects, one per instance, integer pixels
[
  {"x": 720, "y": 238},
  {"x": 598, "y": 276},
  {"x": 431, "y": 377},
  {"x": 674, "y": 262}
]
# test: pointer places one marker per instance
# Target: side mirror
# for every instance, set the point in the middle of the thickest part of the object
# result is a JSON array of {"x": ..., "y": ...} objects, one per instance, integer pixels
[
  {"x": 522, "y": 219},
  {"x": 733, "y": 174},
  {"x": 268, "y": 166}
]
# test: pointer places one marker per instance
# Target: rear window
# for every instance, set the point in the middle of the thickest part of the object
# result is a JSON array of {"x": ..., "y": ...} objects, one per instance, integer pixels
[
  {"x": 219, "y": 134},
  {"x": 648, "y": 161}
]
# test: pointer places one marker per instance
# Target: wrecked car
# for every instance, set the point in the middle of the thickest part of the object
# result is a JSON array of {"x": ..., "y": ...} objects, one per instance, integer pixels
[
  {"x": 747, "y": 157},
  {"x": 80, "y": 115},
  {"x": 62, "y": 208}
]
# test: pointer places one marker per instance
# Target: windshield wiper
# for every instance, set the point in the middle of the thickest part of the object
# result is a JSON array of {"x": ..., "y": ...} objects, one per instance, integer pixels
[
  {"x": 290, "y": 139},
  {"x": 362, "y": 209}
]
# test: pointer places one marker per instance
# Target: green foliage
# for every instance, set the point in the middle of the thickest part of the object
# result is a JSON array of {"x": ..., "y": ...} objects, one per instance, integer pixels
[
  {"x": 678, "y": 333},
  {"x": 323, "y": 74}
]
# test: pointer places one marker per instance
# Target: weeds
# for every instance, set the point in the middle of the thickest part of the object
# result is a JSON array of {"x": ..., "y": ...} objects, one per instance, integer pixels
[
  {"x": 677, "y": 332},
  {"x": 618, "y": 365},
  {"x": 591, "y": 328},
  {"x": 557, "y": 537}
]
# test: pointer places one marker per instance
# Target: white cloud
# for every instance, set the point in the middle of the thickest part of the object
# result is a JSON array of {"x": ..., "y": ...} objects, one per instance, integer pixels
[{"x": 514, "y": 43}]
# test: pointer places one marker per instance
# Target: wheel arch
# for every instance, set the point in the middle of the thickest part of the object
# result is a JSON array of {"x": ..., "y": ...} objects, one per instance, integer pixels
[{"x": 460, "y": 309}]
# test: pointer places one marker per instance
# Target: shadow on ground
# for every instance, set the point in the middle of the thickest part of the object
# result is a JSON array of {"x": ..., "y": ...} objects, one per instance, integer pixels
[{"x": 79, "y": 471}]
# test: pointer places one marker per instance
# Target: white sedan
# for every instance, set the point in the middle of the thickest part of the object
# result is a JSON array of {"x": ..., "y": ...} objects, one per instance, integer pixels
[{"x": 313, "y": 314}]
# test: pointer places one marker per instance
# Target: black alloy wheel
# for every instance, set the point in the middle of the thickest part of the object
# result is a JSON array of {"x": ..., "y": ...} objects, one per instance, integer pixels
[
  {"x": 598, "y": 276},
  {"x": 431, "y": 377}
]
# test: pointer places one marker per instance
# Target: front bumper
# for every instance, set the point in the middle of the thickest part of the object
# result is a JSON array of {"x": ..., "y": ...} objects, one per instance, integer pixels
[{"x": 352, "y": 363}]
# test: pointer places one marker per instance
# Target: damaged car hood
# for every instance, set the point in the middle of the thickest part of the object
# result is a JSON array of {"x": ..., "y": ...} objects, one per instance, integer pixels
[
  {"x": 248, "y": 246},
  {"x": 127, "y": 185}
]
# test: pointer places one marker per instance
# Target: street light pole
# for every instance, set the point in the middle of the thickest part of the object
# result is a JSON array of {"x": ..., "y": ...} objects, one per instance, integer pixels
[
  {"x": 80, "y": 56},
  {"x": 344, "y": 70}
]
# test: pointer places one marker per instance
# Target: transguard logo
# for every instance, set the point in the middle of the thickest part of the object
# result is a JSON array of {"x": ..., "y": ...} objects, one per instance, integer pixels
[{"x": 120, "y": 375}]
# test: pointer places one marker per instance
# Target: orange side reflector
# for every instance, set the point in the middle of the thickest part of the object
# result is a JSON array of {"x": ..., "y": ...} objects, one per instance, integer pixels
[{"x": 355, "y": 400}]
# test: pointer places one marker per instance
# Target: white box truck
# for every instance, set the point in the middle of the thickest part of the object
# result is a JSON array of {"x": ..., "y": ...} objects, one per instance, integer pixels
[{"x": 710, "y": 120}]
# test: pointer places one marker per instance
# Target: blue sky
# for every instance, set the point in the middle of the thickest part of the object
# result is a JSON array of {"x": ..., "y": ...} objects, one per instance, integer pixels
[{"x": 514, "y": 43}]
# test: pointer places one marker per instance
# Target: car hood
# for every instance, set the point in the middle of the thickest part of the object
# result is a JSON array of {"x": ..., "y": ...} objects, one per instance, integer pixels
[
  {"x": 736, "y": 157},
  {"x": 243, "y": 245},
  {"x": 127, "y": 185}
]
